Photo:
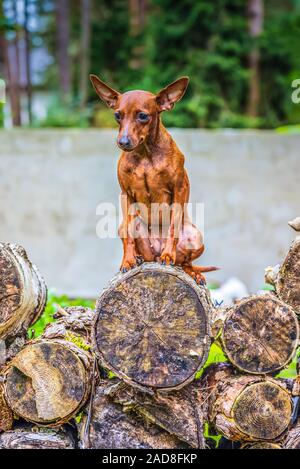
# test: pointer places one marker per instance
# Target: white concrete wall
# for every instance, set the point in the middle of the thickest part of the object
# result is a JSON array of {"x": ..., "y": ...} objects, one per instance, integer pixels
[{"x": 51, "y": 182}]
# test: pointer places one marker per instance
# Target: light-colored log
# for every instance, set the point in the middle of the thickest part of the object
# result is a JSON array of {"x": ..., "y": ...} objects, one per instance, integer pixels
[{"x": 48, "y": 381}]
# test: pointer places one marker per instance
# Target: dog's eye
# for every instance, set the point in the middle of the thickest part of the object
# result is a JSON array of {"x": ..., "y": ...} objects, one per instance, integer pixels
[
  {"x": 118, "y": 116},
  {"x": 143, "y": 117}
]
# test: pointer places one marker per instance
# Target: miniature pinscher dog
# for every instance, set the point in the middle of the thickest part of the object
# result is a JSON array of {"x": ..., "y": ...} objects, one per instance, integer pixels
[{"x": 151, "y": 172}]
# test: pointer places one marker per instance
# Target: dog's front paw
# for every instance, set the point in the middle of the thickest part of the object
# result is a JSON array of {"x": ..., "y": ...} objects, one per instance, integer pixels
[
  {"x": 129, "y": 263},
  {"x": 167, "y": 258}
]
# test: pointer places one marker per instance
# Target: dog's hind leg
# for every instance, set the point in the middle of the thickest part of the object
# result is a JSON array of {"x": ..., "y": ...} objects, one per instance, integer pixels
[{"x": 189, "y": 248}]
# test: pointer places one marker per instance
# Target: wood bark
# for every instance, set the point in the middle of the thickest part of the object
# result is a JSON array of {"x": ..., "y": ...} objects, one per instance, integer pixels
[
  {"x": 260, "y": 334},
  {"x": 72, "y": 323},
  {"x": 151, "y": 327},
  {"x": 23, "y": 291},
  {"x": 286, "y": 277},
  {"x": 36, "y": 438},
  {"x": 113, "y": 428},
  {"x": 247, "y": 407},
  {"x": 48, "y": 381},
  {"x": 6, "y": 414},
  {"x": 262, "y": 445},
  {"x": 180, "y": 413},
  {"x": 292, "y": 440},
  {"x": 288, "y": 280}
]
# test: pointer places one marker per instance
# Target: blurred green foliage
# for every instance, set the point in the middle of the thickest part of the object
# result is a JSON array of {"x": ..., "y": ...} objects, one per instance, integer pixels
[
  {"x": 64, "y": 115},
  {"x": 208, "y": 41}
]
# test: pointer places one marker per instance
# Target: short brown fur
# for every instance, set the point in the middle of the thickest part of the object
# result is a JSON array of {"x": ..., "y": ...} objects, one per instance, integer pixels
[{"x": 151, "y": 170}]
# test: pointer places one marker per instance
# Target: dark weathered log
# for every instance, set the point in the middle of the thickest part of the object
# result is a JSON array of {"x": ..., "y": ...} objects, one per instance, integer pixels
[
  {"x": 292, "y": 440},
  {"x": 180, "y": 413},
  {"x": 36, "y": 438},
  {"x": 247, "y": 407},
  {"x": 113, "y": 428},
  {"x": 260, "y": 334},
  {"x": 23, "y": 292},
  {"x": 286, "y": 277},
  {"x": 73, "y": 323},
  {"x": 48, "y": 381},
  {"x": 151, "y": 327}
]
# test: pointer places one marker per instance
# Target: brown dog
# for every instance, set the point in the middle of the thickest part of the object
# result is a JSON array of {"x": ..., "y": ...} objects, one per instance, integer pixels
[{"x": 151, "y": 173}]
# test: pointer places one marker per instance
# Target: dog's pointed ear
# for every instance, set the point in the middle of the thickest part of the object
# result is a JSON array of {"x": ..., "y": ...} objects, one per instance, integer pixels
[
  {"x": 105, "y": 92},
  {"x": 172, "y": 93}
]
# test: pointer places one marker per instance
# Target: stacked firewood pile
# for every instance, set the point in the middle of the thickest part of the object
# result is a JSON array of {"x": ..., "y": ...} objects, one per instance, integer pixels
[{"x": 133, "y": 374}]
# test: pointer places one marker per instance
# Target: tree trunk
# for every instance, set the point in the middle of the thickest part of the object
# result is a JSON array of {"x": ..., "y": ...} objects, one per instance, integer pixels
[
  {"x": 247, "y": 407},
  {"x": 85, "y": 49},
  {"x": 256, "y": 17},
  {"x": 260, "y": 334},
  {"x": 113, "y": 428},
  {"x": 16, "y": 74},
  {"x": 137, "y": 12},
  {"x": 151, "y": 327},
  {"x": 63, "y": 42},
  {"x": 11, "y": 76},
  {"x": 48, "y": 381},
  {"x": 36, "y": 438},
  {"x": 28, "y": 61},
  {"x": 23, "y": 292},
  {"x": 180, "y": 413}
]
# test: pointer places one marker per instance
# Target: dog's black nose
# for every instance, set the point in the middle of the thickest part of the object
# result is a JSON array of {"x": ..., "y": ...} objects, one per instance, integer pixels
[{"x": 125, "y": 142}]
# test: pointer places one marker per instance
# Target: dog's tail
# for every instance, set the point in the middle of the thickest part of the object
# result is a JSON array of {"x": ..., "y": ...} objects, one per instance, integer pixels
[{"x": 208, "y": 268}]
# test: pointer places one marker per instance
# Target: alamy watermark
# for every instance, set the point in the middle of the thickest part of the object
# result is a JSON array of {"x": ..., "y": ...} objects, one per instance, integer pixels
[
  {"x": 296, "y": 93},
  {"x": 139, "y": 220},
  {"x": 2, "y": 91}
]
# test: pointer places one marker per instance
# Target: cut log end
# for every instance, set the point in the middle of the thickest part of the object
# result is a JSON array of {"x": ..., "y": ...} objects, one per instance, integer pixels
[
  {"x": 46, "y": 382},
  {"x": 152, "y": 327},
  {"x": 262, "y": 411},
  {"x": 260, "y": 334},
  {"x": 248, "y": 408}
]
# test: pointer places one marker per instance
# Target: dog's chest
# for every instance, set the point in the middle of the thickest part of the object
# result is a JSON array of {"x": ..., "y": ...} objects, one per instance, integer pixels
[{"x": 147, "y": 182}]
